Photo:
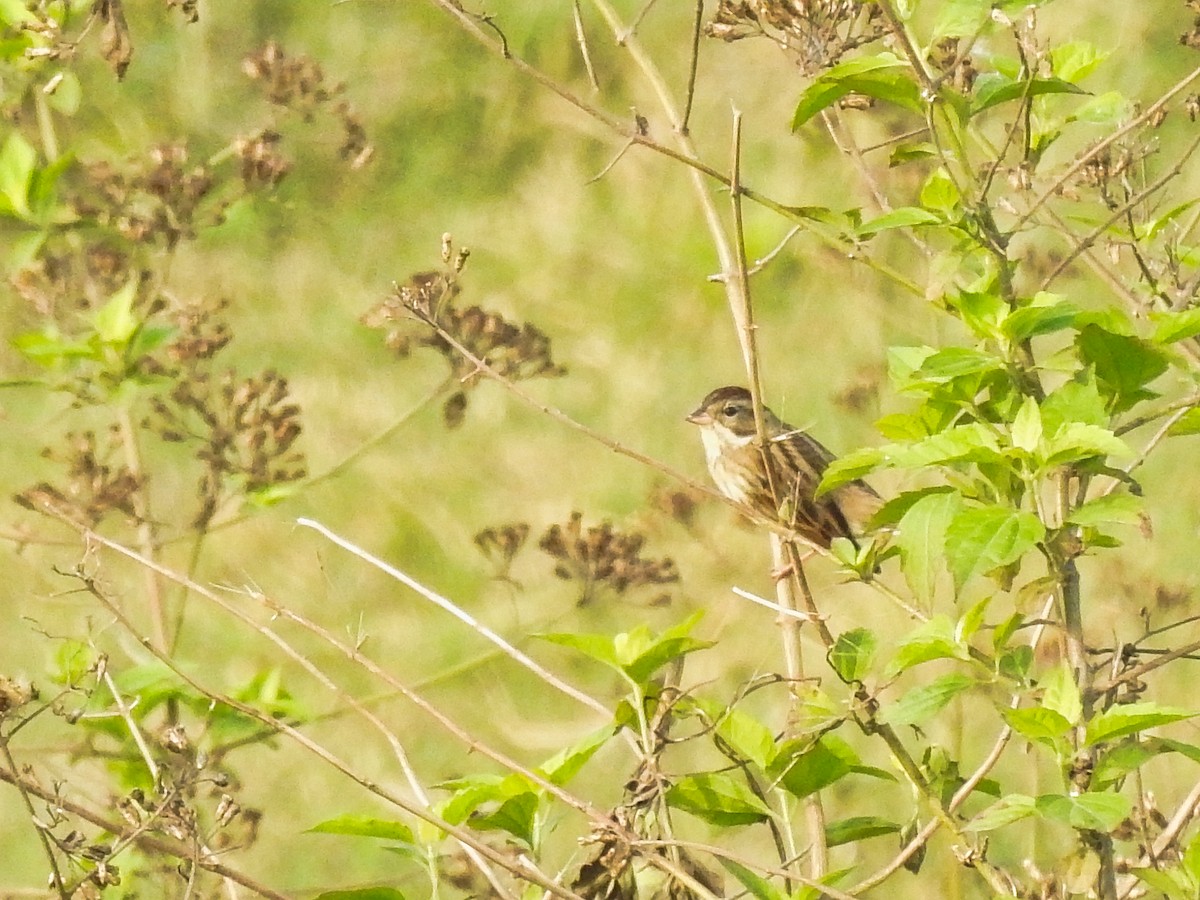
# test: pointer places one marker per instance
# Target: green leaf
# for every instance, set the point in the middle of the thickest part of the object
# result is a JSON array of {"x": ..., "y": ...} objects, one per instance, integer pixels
[
  {"x": 1120, "y": 759},
  {"x": 1188, "y": 423},
  {"x": 1077, "y": 400},
  {"x": 1040, "y": 318},
  {"x": 597, "y": 646},
  {"x": 640, "y": 656},
  {"x": 717, "y": 799},
  {"x": 1027, "y": 426},
  {"x": 883, "y": 76},
  {"x": 1005, "y": 811},
  {"x": 18, "y": 161},
  {"x": 903, "y": 153},
  {"x": 940, "y": 194},
  {"x": 849, "y": 468},
  {"x": 982, "y": 539},
  {"x": 804, "y": 768},
  {"x": 516, "y": 816},
  {"x": 367, "y": 893},
  {"x": 992, "y": 89},
  {"x": 1095, "y": 811},
  {"x": 960, "y": 18},
  {"x": 1124, "y": 365},
  {"x": 748, "y": 737},
  {"x": 903, "y": 217},
  {"x": 921, "y": 538},
  {"x": 857, "y": 828},
  {"x": 1076, "y": 441},
  {"x": 924, "y": 701},
  {"x": 1112, "y": 509},
  {"x": 852, "y": 654},
  {"x": 1060, "y": 693},
  {"x": 1131, "y": 718},
  {"x": 954, "y": 362},
  {"x": 1176, "y": 326},
  {"x": 1042, "y": 725},
  {"x": 758, "y": 886},
  {"x": 1075, "y": 60},
  {"x": 930, "y": 640},
  {"x": 115, "y": 322},
  {"x": 366, "y": 826},
  {"x": 565, "y": 765},
  {"x": 1109, "y": 109}
]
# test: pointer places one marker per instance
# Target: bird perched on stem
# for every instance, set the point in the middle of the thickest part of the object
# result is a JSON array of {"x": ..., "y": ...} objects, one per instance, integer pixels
[{"x": 797, "y": 461}]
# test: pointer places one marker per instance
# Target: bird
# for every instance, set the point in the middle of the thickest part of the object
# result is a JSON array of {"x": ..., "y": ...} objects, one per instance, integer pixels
[{"x": 798, "y": 461}]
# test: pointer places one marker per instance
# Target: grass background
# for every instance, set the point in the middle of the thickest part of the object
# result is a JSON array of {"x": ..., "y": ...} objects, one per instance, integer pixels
[{"x": 615, "y": 271}]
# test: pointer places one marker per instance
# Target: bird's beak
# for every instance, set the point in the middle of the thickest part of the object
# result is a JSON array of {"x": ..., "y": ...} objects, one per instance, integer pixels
[{"x": 700, "y": 417}]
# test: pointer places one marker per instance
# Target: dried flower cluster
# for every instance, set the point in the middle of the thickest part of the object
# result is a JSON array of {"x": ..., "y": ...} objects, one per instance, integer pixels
[
  {"x": 501, "y": 544},
  {"x": 602, "y": 556},
  {"x": 147, "y": 202},
  {"x": 421, "y": 313},
  {"x": 298, "y": 84},
  {"x": 817, "y": 33},
  {"x": 95, "y": 483},
  {"x": 245, "y": 429}
]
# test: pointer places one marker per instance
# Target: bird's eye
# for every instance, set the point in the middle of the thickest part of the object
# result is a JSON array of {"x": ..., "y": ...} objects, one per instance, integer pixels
[{"x": 730, "y": 410}]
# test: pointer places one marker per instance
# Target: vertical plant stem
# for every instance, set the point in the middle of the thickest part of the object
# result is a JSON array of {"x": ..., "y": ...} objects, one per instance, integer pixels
[{"x": 147, "y": 543}]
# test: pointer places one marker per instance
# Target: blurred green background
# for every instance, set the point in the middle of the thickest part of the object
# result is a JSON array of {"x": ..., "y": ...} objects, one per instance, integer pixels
[{"x": 614, "y": 270}]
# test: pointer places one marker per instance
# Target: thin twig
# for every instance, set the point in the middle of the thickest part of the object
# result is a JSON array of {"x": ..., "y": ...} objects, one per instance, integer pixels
[
  {"x": 581, "y": 40},
  {"x": 463, "y": 616},
  {"x": 1149, "y": 113},
  {"x": 1137, "y": 198}
]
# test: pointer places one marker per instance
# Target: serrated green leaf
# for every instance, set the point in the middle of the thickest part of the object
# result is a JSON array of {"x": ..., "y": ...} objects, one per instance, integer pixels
[
  {"x": 904, "y": 153},
  {"x": 903, "y": 217},
  {"x": 930, "y": 640},
  {"x": 367, "y": 893},
  {"x": 1077, "y": 400},
  {"x": 857, "y": 828},
  {"x": 1131, "y": 718},
  {"x": 1075, "y": 60},
  {"x": 1110, "y": 108},
  {"x": 982, "y": 539},
  {"x": 954, "y": 362},
  {"x": 922, "y": 702},
  {"x": 1026, "y": 427},
  {"x": 1042, "y": 725},
  {"x": 1175, "y": 326},
  {"x": 1005, "y": 811},
  {"x": 803, "y": 768},
  {"x": 516, "y": 816},
  {"x": 566, "y": 763},
  {"x": 940, "y": 194},
  {"x": 1060, "y": 693},
  {"x": 922, "y": 541},
  {"x": 115, "y": 322},
  {"x": 883, "y": 76},
  {"x": 717, "y": 799},
  {"x": 852, "y": 654},
  {"x": 1076, "y": 441},
  {"x": 1188, "y": 423},
  {"x": 849, "y": 468},
  {"x": 1112, "y": 509},
  {"x": 748, "y": 737},
  {"x": 993, "y": 88},
  {"x": 366, "y": 826},
  {"x": 1094, "y": 810},
  {"x": 759, "y": 887},
  {"x": 597, "y": 646},
  {"x": 1124, "y": 365},
  {"x": 1031, "y": 321},
  {"x": 18, "y": 160}
]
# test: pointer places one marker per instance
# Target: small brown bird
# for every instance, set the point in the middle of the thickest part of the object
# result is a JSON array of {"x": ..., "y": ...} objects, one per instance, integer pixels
[{"x": 726, "y": 420}]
